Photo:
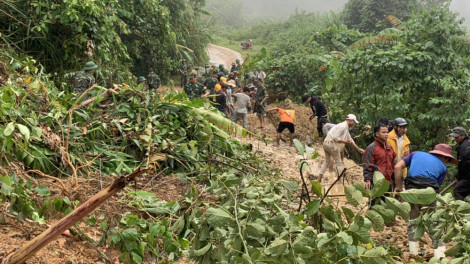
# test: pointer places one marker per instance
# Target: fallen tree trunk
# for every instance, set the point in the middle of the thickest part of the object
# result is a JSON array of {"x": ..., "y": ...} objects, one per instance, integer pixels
[
  {"x": 33, "y": 246},
  {"x": 103, "y": 96}
]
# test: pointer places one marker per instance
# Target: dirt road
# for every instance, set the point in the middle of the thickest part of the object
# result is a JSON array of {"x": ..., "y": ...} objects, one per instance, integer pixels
[{"x": 221, "y": 55}]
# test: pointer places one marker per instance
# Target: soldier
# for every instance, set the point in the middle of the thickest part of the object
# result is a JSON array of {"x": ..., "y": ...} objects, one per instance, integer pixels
[
  {"x": 222, "y": 71},
  {"x": 260, "y": 104},
  {"x": 82, "y": 80},
  {"x": 141, "y": 80},
  {"x": 239, "y": 66},
  {"x": 153, "y": 80},
  {"x": 193, "y": 89},
  {"x": 210, "y": 83},
  {"x": 183, "y": 70}
]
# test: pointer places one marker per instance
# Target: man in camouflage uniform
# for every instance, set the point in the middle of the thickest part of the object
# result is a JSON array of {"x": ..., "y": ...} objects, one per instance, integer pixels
[
  {"x": 250, "y": 78},
  {"x": 239, "y": 66},
  {"x": 183, "y": 71},
  {"x": 260, "y": 104},
  {"x": 82, "y": 80},
  {"x": 210, "y": 82},
  {"x": 193, "y": 89},
  {"x": 153, "y": 80},
  {"x": 223, "y": 72}
]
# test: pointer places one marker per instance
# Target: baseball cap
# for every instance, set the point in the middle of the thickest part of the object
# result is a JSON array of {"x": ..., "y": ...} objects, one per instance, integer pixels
[
  {"x": 457, "y": 131},
  {"x": 352, "y": 117}
]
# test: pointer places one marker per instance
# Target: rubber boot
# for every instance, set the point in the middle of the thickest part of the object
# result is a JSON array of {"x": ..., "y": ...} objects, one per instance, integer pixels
[
  {"x": 439, "y": 252},
  {"x": 414, "y": 247}
]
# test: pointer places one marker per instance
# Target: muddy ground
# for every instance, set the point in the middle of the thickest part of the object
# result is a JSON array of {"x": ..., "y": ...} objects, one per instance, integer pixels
[{"x": 13, "y": 233}]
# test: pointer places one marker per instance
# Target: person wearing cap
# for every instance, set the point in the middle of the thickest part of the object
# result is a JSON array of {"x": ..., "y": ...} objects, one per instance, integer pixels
[
  {"x": 209, "y": 84},
  {"x": 318, "y": 109},
  {"x": 233, "y": 68},
  {"x": 82, "y": 80},
  {"x": 141, "y": 80},
  {"x": 239, "y": 66},
  {"x": 221, "y": 100},
  {"x": 243, "y": 103},
  {"x": 260, "y": 103},
  {"x": 462, "y": 189},
  {"x": 334, "y": 144},
  {"x": 379, "y": 156},
  {"x": 183, "y": 71},
  {"x": 398, "y": 140},
  {"x": 153, "y": 80},
  {"x": 425, "y": 170}
]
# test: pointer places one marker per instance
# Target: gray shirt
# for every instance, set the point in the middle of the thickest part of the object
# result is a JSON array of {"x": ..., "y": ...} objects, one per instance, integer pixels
[
  {"x": 242, "y": 101},
  {"x": 229, "y": 96}
]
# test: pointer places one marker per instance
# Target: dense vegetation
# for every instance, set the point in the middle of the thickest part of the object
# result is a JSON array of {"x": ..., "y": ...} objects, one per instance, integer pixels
[
  {"x": 417, "y": 69},
  {"x": 123, "y": 37},
  {"x": 234, "y": 209}
]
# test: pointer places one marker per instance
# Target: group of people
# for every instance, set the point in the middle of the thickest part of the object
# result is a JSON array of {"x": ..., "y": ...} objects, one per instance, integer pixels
[{"x": 390, "y": 153}]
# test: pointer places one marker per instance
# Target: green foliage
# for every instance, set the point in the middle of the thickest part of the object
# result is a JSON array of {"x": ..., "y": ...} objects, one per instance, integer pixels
[
  {"x": 118, "y": 35},
  {"x": 369, "y": 15},
  {"x": 421, "y": 78},
  {"x": 449, "y": 221}
]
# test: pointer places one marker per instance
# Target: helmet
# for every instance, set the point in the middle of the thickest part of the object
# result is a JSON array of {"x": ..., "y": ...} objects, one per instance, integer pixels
[
  {"x": 141, "y": 79},
  {"x": 305, "y": 97},
  {"x": 237, "y": 61},
  {"x": 183, "y": 60},
  {"x": 400, "y": 122},
  {"x": 221, "y": 65},
  {"x": 90, "y": 66}
]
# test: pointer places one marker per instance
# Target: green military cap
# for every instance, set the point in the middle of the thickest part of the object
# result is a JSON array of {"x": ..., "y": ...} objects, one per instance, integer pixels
[
  {"x": 141, "y": 79},
  {"x": 221, "y": 65},
  {"x": 90, "y": 66},
  {"x": 192, "y": 75},
  {"x": 237, "y": 61}
]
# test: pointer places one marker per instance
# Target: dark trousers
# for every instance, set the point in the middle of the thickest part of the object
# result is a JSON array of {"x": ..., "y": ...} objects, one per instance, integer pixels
[
  {"x": 319, "y": 125},
  {"x": 462, "y": 189},
  {"x": 184, "y": 80}
]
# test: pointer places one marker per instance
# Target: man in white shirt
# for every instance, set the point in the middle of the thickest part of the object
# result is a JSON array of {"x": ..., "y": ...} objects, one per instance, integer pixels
[{"x": 334, "y": 143}]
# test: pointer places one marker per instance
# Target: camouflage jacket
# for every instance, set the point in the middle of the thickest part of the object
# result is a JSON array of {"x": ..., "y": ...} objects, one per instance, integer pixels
[
  {"x": 261, "y": 94},
  {"x": 194, "y": 90},
  {"x": 80, "y": 80},
  {"x": 184, "y": 69},
  {"x": 210, "y": 83},
  {"x": 153, "y": 80}
]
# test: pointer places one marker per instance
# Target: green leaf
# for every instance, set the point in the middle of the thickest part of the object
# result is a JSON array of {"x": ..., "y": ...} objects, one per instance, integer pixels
[
  {"x": 376, "y": 219},
  {"x": 130, "y": 234},
  {"x": 387, "y": 214},
  {"x": 312, "y": 207},
  {"x": 136, "y": 257},
  {"x": 375, "y": 256},
  {"x": 9, "y": 129},
  {"x": 178, "y": 226},
  {"x": 299, "y": 146},
  {"x": 317, "y": 188},
  {"x": 353, "y": 196},
  {"x": 276, "y": 248},
  {"x": 290, "y": 185},
  {"x": 419, "y": 196},
  {"x": 345, "y": 238},
  {"x": 381, "y": 185},
  {"x": 24, "y": 131},
  {"x": 202, "y": 251},
  {"x": 348, "y": 213},
  {"x": 42, "y": 190},
  {"x": 218, "y": 217},
  {"x": 402, "y": 209}
]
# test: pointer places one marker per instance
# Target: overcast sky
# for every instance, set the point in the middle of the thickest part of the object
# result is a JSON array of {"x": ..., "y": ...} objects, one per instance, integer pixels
[{"x": 283, "y": 8}]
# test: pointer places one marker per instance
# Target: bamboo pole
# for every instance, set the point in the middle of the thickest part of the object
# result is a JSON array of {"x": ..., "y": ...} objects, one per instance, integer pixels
[{"x": 33, "y": 246}]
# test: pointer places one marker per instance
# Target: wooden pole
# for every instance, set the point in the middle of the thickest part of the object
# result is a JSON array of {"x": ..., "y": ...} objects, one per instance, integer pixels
[{"x": 33, "y": 246}]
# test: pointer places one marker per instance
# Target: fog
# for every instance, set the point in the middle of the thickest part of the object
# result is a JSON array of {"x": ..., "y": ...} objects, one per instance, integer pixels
[{"x": 272, "y": 9}]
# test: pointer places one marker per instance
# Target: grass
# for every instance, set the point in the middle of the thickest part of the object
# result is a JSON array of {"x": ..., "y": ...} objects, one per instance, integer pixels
[{"x": 235, "y": 45}]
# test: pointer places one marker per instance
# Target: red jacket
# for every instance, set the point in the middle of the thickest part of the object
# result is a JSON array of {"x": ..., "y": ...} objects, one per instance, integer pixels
[{"x": 379, "y": 156}]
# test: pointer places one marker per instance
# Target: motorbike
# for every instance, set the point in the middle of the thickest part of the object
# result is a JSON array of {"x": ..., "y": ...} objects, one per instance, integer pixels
[{"x": 245, "y": 45}]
